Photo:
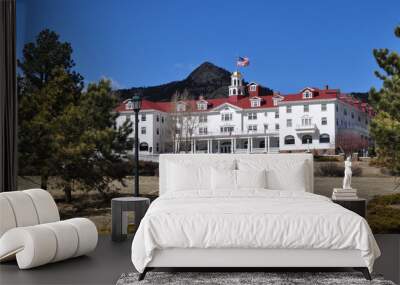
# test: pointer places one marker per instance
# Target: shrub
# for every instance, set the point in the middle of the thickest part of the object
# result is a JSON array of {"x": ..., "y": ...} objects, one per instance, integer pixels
[
  {"x": 147, "y": 168},
  {"x": 333, "y": 169},
  {"x": 382, "y": 217},
  {"x": 327, "y": 158}
]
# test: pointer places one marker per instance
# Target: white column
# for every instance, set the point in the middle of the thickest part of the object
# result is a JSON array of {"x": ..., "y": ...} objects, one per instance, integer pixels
[
  {"x": 208, "y": 146},
  {"x": 232, "y": 145},
  {"x": 194, "y": 146},
  {"x": 269, "y": 143},
  {"x": 251, "y": 144},
  {"x": 219, "y": 146},
  {"x": 265, "y": 144},
  {"x": 248, "y": 145}
]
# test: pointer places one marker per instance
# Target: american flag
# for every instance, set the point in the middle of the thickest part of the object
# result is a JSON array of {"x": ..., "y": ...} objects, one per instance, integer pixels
[{"x": 242, "y": 61}]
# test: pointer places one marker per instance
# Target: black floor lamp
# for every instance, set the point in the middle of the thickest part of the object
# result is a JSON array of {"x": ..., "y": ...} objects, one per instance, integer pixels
[{"x": 137, "y": 104}]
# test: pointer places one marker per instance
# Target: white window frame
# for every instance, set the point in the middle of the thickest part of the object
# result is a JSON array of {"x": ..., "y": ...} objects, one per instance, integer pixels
[
  {"x": 253, "y": 87},
  {"x": 289, "y": 123},
  {"x": 252, "y": 128},
  {"x": 143, "y": 130},
  {"x": 288, "y": 109},
  {"x": 324, "y": 121},
  {"x": 252, "y": 116},
  {"x": 306, "y": 108},
  {"x": 324, "y": 107},
  {"x": 203, "y": 119}
]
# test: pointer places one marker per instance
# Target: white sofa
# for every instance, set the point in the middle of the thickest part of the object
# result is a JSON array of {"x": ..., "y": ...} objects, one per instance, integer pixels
[{"x": 31, "y": 230}]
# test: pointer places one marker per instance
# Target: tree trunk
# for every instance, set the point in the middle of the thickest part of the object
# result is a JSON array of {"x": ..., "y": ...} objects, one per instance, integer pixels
[
  {"x": 43, "y": 181},
  {"x": 67, "y": 192}
]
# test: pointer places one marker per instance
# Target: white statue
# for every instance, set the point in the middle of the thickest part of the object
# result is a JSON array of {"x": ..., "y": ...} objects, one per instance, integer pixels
[{"x": 347, "y": 174}]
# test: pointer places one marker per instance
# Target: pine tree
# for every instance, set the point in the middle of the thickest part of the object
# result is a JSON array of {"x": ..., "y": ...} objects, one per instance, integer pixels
[
  {"x": 64, "y": 131},
  {"x": 385, "y": 126}
]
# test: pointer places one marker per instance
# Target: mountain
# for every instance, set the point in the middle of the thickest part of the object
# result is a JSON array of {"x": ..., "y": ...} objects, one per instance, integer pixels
[{"x": 207, "y": 79}]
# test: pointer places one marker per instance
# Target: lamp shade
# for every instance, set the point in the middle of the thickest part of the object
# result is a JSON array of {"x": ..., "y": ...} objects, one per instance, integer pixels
[{"x": 136, "y": 102}]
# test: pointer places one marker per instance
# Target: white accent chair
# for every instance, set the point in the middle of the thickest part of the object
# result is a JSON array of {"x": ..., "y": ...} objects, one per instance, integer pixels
[{"x": 31, "y": 230}]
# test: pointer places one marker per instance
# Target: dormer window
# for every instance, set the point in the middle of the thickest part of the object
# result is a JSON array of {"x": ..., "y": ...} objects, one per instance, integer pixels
[
  {"x": 202, "y": 105},
  {"x": 307, "y": 94},
  {"x": 255, "y": 102},
  {"x": 253, "y": 87},
  {"x": 129, "y": 106},
  {"x": 180, "y": 107}
]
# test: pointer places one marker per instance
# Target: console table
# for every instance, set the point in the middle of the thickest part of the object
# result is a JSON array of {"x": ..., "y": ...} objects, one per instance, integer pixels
[{"x": 119, "y": 215}]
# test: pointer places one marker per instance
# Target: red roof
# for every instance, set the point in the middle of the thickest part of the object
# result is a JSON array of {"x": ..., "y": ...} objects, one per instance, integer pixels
[{"x": 244, "y": 101}]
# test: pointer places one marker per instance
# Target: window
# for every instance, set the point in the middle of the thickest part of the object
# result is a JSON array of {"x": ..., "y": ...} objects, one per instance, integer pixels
[
  {"x": 289, "y": 140},
  {"x": 359, "y": 118},
  {"x": 255, "y": 102},
  {"x": 234, "y": 92},
  {"x": 345, "y": 111},
  {"x": 352, "y": 115},
  {"x": 202, "y": 130},
  {"x": 252, "y": 128},
  {"x": 276, "y": 126},
  {"x": 253, "y": 87},
  {"x": 143, "y": 130},
  {"x": 127, "y": 118},
  {"x": 337, "y": 122},
  {"x": 288, "y": 123},
  {"x": 306, "y": 139},
  {"x": 324, "y": 138},
  {"x": 203, "y": 118},
  {"x": 276, "y": 114},
  {"x": 265, "y": 127},
  {"x": 202, "y": 105},
  {"x": 226, "y": 117},
  {"x": 306, "y": 122},
  {"x": 158, "y": 118},
  {"x": 252, "y": 116},
  {"x": 129, "y": 106},
  {"x": 157, "y": 147},
  {"x": 158, "y": 131},
  {"x": 324, "y": 121},
  {"x": 307, "y": 94},
  {"x": 180, "y": 107},
  {"x": 288, "y": 109},
  {"x": 306, "y": 108},
  {"x": 143, "y": 118},
  {"x": 143, "y": 146},
  {"x": 323, "y": 107},
  {"x": 227, "y": 129},
  {"x": 162, "y": 119}
]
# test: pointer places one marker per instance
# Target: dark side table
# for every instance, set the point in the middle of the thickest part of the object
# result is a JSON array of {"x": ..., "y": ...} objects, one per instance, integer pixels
[
  {"x": 119, "y": 215},
  {"x": 358, "y": 206}
]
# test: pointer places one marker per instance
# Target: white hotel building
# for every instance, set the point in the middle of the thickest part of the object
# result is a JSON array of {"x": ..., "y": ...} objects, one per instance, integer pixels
[{"x": 249, "y": 120}]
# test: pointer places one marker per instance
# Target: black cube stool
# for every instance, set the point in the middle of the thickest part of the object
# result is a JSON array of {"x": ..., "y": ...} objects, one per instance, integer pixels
[{"x": 119, "y": 215}]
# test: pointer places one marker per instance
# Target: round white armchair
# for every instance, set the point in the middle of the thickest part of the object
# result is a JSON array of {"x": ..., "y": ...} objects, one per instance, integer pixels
[{"x": 31, "y": 230}]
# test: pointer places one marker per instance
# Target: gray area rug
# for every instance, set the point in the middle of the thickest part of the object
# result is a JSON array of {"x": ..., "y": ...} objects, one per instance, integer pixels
[{"x": 228, "y": 278}]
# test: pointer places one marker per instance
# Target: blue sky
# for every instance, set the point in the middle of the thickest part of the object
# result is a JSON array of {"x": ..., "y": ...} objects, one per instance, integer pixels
[{"x": 291, "y": 44}]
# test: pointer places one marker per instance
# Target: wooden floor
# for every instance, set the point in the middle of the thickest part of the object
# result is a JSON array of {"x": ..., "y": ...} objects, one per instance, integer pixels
[{"x": 110, "y": 260}]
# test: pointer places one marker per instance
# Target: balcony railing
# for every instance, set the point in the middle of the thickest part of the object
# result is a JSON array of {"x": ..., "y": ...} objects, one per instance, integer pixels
[
  {"x": 311, "y": 128},
  {"x": 238, "y": 133}
]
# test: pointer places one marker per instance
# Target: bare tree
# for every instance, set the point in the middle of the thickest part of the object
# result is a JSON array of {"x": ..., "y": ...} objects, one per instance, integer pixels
[
  {"x": 182, "y": 122},
  {"x": 348, "y": 141}
]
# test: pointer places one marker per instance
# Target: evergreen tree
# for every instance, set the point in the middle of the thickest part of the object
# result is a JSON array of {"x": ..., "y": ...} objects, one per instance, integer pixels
[
  {"x": 385, "y": 126},
  {"x": 64, "y": 131}
]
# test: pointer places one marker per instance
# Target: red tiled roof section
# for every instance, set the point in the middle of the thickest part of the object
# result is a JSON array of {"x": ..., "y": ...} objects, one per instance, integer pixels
[
  {"x": 317, "y": 95},
  {"x": 245, "y": 103}
]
